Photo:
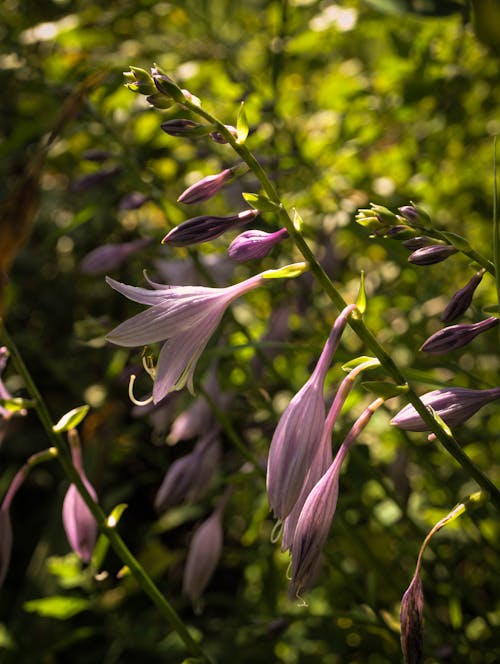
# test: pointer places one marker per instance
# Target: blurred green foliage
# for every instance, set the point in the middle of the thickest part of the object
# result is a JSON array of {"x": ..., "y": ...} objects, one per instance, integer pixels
[{"x": 347, "y": 103}]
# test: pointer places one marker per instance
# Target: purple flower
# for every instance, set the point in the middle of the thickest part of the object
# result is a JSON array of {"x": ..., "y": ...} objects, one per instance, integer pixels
[
  {"x": 297, "y": 436},
  {"x": 418, "y": 242},
  {"x": 453, "y": 405},
  {"x": 317, "y": 514},
  {"x": 5, "y": 524},
  {"x": 5, "y": 413},
  {"x": 205, "y": 228},
  {"x": 435, "y": 253},
  {"x": 185, "y": 317},
  {"x": 133, "y": 201},
  {"x": 253, "y": 244},
  {"x": 79, "y": 523},
  {"x": 206, "y": 188},
  {"x": 184, "y": 127},
  {"x": 109, "y": 257},
  {"x": 460, "y": 302},
  {"x": 188, "y": 478},
  {"x": 455, "y": 336}
]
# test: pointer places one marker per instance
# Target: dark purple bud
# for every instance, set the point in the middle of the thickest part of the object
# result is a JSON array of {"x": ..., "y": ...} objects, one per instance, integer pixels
[
  {"x": 250, "y": 245},
  {"x": 454, "y": 406},
  {"x": 91, "y": 180},
  {"x": 108, "y": 257},
  {"x": 205, "y": 228},
  {"x": 206, "y": 188},
  {"x": 184, "y": 127},
  {"x": 412, "y": 607},
  {"x": 217, "y": 137},
  {"x": 418, "y": 242},
  {"x": 460, "y": 302},
  {"x": 415, "y": 215},
  {"x": 203, "y": 555},
  {"x": 133, "y": 201},
  {"x": 435, "y": 253},
  {"x": 455, "y": 336}
]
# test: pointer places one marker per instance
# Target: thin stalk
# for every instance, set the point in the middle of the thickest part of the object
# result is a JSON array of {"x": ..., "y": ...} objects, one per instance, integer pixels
[
  {"x": 356, "y": 323},
  {"x": 119, "y": 546},
  {"x": 496, "y": 224}
]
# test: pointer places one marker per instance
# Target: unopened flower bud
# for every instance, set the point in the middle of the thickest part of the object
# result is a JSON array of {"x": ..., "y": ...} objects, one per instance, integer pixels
[
  {"x": 415, "y": 215},
  {"x": 460, "y": 302},
  {"x": 139, "y": 80},
  {"x": 108, "y": 257},
  {"x": 206, "y": 187},
  {"x": 205, "y": 228},
  {"x": 454, "y": 406},
  {"x": 184, "y": 127},
  {"x": 434, "y": 253},
  {"x": 418, "y": 242},
  {"x": 455, "y": 336},
  {"x": 166, "y": 86},
  {"x": 133, "y": 201},
  {"x": 217, "y": 137},
  {"x": 253, "y": 244},
  {"x": 411, "y": 618}
]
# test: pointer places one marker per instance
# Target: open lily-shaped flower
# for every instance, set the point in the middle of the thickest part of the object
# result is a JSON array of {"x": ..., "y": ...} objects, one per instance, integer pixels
[{"x": 184, "y": 317}]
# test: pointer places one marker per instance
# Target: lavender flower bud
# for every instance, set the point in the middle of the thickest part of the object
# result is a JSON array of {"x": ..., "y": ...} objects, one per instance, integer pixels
[
  {"x": 460, "y": 302},
  {"x": 418, "y": 242},
  {"x": 86, "y": 182},
  {"x": 184, "y": 127},
  {"x": 206, "y": 188},
  {"x": 189, "y": 477},
  {"x": 217, "y": 137},
  {"x": 415, "y": 215},
  {"x": 453, "y": 405},
  {"x": 455, "y": 336},
  {"x": 78, "y": 521},
  {"x": 109, "y": 257},
  {"x": 253, "y": 244},
  {"x": 205, "y": 228},
  {"x": 133, "y": 201},
  {"x": 412, "y": 607},
  {"x": 434, "y": 253}
]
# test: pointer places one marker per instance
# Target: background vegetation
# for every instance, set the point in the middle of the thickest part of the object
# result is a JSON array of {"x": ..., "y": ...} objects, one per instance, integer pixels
[{"x": 348, "y": 103}]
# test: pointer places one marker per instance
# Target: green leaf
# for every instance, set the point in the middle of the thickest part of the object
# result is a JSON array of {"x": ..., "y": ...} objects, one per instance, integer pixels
[
  {"x": 260, "y": 202},
  {"x": 385, "y": 390},
  {"x": 57, "y": 606},
  {"x": 286, "y": 272},
  {"x": 297, "y": 221},
  {"x": 242, "y": 125},
  {"x": 15, "y": 404},
  {"x": 457, "y": 241},
  {"x": 352, "y": 364},
  {"x": 361, "y": 300},
  {"x": 71, "y": 419},
  {"x": 492, "y": 309}
]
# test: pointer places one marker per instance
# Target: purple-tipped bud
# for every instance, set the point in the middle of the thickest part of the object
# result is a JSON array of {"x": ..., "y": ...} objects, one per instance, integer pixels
[
  {"x": 139, "y": 80},
  {"x": 184, "y": 127},
  {"x": 435, "y": 253},
  {"x": 411, "y": 613},
  {"x": 217, "y": 137},
  {"x": 79, "y": 523},
  {"x": 86, "y": 182},
  {"x": 298, "y": 434},
  {"x": 189, "y": 477},
  {"x": 206, "y": 188},
  {"x": 133, "y": 201},
  {"x": 254, "y": 244},
  {"x": 460, "y": 302},
  {"x": 455, "y": 336},
  {"x": 203, "y": 555},
  {"x": 454, "y": 406},
  {"x": 418, "y": 242},
  {"x": 205, "y": 228},
  {"x": 415, "y": 215},
  {"x": 109, "y": 257}
]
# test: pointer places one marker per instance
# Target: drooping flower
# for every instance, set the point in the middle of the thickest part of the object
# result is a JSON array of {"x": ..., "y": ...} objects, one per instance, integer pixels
[
  {"x": 184, "y": 317},
  {"x": 205, "y": 228},
  {"x": 411, "y": 619},
  {"x": 435, "y": 253},
  {"x": 455, "y": 336},
  {"x": 5, "y": 523},
  {"x": 461, "y": 300},
  {"x": 206, "y": 187},
  {"x": 297, "y": 436},
  {"x": 253, "y": 244},
  {"x": 316, "y": 517},
  {"x": 454, "y": 406},
  {"x": 189, "y": 477},
  {"x": 79, "y": 523}
]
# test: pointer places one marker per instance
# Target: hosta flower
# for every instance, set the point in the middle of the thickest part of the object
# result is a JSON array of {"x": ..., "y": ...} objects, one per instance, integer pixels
[
  {"x": 109, "y": 257},
  {"x": 461, "y": 300},
  {"x": 5, "y": 413},
  {"x": 79, "y": 523},
  {"x": 184, "y": 317},
  {"x": 454, "y": 406},
  {"x": 297, "y": 436},
  {"x": 435, "y": 253},
  {"x": 455, "y": 336},
  {"x": 411, "y": 619},
  {"x": 253, "y": 244},
  {"x": 5, "y": 523},
  {"x": 206, "y": 187},
  {"x": 205, "y": 228}
]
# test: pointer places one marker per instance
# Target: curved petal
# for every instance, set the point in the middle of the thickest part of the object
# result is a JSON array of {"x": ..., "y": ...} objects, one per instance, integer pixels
[{"x": 136, "y": 294}]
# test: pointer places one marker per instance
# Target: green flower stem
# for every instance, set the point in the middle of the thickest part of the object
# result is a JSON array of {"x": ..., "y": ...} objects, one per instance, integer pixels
[
  {"x": 471, "y": 253},
  {"x": 121, "y": 549},
  {"x": 496, "y": 224},
  {"x": 356, "y": 323}
]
